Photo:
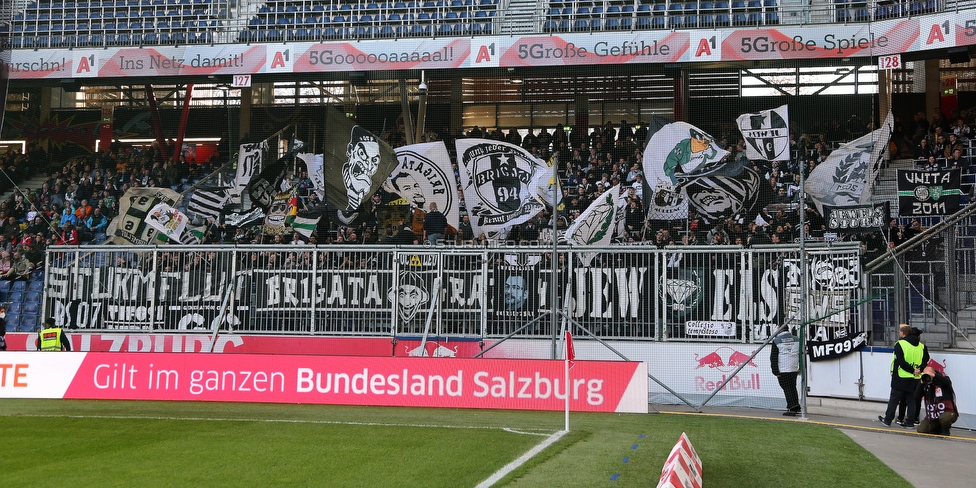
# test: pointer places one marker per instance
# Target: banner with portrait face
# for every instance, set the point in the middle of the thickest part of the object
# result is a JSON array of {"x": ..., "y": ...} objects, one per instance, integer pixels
[
  {"x": 424, "y": 176},
  {"x": 356, "y": 161}
]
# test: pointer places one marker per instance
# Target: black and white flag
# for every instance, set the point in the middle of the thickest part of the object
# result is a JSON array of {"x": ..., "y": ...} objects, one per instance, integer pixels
[
  {"x": 356, "y": 162},
  {"x": 767, "y": 134},
  {"x": 249, "y": 158},
  {"x": 207, "y": 202},
  {"x": 595, "y": 226},
  {"x": 498, "y": 180},
  {"x": 424, "y": 176},
  {"x": 846, "y": 178}
]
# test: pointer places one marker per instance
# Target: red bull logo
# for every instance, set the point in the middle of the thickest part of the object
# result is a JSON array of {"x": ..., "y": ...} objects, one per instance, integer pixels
[{"x": 724, "y": 359}]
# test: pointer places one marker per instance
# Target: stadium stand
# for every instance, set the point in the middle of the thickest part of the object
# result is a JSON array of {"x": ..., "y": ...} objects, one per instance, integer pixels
[{"x": 161, "y": 22}]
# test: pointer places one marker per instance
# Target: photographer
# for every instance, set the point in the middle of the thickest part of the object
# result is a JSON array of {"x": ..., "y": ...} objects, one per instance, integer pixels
[{"x": 940, "y": 402}]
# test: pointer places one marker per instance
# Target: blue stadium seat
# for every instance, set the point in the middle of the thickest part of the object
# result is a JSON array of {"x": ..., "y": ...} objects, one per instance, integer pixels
[
  {"x": 13, "y": 321},
  {"x": 32, "y": 296},
  {"x": 613, "y": 23},
  {"x": 31, "y": 308},
  {"x": 4, "y": 290},
  {"x": 28, "y": 323},
  {"x": 16, "y": 304},
  {"x": 18, "y": 286},
  {"x": 842, "y": 14}
]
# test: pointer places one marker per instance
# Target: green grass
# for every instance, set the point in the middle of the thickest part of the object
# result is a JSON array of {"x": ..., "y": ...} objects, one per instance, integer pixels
[{"x": 100, "y": 443}]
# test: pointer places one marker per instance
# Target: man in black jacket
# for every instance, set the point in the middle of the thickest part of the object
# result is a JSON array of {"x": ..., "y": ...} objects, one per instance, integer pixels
[{"x": 908, "y": 358}]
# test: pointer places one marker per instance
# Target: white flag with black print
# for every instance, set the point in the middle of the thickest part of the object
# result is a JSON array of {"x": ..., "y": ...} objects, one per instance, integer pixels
[
  {"x": 846, "y": 178},
  {"x": 498, "y": 181},
  {"x": 423, "y": 176},
  {"x": 314, "y": 165},
  {"x": 767, "y": 134},
  {"x": 207, "y": 202},
  {"x": 248, "y": 164},
  {"x": 595, "y": 226}
]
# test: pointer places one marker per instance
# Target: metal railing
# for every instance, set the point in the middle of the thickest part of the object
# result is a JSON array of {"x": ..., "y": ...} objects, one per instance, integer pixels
[
  {"x": 136, "y": 23},
  {"x": 691, "y": 294}
]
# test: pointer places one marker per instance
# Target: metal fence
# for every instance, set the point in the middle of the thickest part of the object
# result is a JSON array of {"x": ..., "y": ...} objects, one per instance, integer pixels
[{"x": 690, "y": 294}]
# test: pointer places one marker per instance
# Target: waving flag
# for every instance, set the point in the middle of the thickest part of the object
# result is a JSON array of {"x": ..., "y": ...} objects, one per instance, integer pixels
[
  {"x": 356, "y": 162},
  {"x": 846, "y": 178},
  {"x": 423, "y": 176},
  {"x": 314, "y": 165},
  {"x": 138, "y": 224},
  {"x": 685, "y": 169},
  {"x": 207, "y": 202},
  {"x": 498, "y": 180},
  {"x": 767, "y": 134},
  {"x": 249, "y": 158},
  {"x": 594, "y": 227}
]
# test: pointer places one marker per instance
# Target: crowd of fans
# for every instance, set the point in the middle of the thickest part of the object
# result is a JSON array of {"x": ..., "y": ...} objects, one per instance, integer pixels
[{"x": 79, "y": 199}]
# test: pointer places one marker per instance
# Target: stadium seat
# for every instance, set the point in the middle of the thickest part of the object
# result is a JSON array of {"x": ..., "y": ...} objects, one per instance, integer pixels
[
  {"x": 18, "y": 286},
  {"x": 32, "y": 308},
  {"x": 28, "y": 323},
  {"x": 13, "y": 321},
  {"x": 15, "y": 305},
  {"x": 32, "y": 296},
  {"x": 4, "y": 290},
  {"x": 842, "y": 14}
]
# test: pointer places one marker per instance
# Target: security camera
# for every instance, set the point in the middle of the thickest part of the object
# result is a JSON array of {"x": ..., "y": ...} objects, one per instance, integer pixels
[{"x": 422, "y": 88}]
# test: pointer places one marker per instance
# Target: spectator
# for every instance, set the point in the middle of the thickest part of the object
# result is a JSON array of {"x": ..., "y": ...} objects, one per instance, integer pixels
[{"x": 20, "y": 269}]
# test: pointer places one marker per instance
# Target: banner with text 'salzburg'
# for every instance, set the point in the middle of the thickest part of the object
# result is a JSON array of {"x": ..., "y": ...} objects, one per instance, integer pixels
[{"x": 596, "y": 386}]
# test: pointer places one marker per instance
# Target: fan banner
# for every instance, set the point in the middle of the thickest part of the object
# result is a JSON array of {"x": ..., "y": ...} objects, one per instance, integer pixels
[
  {"x": 131, "y": 225},
  {"x": 498, "y": 181},
  {"x": 248, "y": 164},
  {"x": 846, "y": 178},
  {"x": 594, "y": 227},
  {"x": 424, "y": 176},
  {"x": 862, "y": 218},
  {"x": 686, "y": 169},
  {"x": 598, "y": 386},
  {"x": 356, "y": 162},
  {"x": 314, "y": 165},
  {"x": 767, "y": 134},
  {"x": 923, "y": 193}
]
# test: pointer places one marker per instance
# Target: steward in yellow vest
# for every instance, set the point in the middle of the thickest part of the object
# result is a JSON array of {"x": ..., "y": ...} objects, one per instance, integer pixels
[{"x": 52, "y": 338}]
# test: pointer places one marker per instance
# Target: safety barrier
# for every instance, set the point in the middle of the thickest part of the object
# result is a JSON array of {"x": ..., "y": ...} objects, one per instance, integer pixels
[{"x": 692, "y": 294}]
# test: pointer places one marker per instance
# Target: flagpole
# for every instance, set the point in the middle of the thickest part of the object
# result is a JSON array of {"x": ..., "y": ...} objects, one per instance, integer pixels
[{"x": 566, "y": 367}]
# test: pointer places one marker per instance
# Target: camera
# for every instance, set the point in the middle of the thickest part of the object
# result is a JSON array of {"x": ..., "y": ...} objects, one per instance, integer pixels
[{"x": 926, "y": 378}]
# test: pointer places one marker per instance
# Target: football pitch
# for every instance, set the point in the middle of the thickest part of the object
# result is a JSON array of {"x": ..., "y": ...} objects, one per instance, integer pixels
[{"x": 122, "y": 443}]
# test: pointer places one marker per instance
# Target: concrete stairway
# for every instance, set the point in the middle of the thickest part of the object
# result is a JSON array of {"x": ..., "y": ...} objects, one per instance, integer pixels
[{"x": 521, "y": 16}]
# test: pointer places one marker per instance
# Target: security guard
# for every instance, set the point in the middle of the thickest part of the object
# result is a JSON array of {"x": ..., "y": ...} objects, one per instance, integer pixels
[
  {"x": 908, "y": 359},
  {"x": 52, "y": 338}
]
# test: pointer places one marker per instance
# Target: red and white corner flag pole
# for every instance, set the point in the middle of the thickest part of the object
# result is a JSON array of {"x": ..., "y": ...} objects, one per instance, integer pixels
[{"x": 570, "y": 356}]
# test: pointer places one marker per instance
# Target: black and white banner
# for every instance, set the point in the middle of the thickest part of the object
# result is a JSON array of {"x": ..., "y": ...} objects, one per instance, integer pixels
[
  {"x": 314, "y": 164},
  {"x": 356, "y": 162},
  {"x": 498, "y": 181},
  {"x": 595, "y": 226},
  {"x": 135, "y": 206},
  {"x": 207, "y": 202},
  {"x": 424, "y": 176},
  {"x": 831, "y": 291},
  {"x": 836, "y": 348},
  {"x": 922, "y": 193},
  {"x": 767, "y": 134},
  {"x": 860, "y": 218},
  {"x": 685, "y": 168},
  {"x": 846, "y": 178},
  {"x": 248, "y": 164}
]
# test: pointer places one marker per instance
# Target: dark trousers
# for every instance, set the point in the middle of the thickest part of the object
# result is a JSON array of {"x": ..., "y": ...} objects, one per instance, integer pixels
[
  {"x": 787, "y": 381},
  {"x": 897, "y": 396}
]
